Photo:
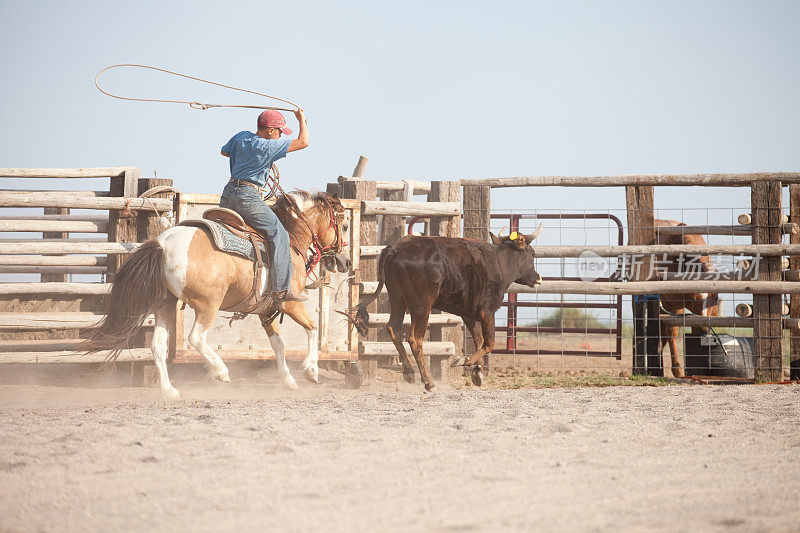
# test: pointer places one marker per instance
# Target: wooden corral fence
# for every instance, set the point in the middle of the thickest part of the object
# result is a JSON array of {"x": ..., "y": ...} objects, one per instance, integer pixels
[
  {"x": 61, "y": 311},
  {"x": 44, "y": 320},
  {"x": 386, "y": 209},
  {"x": 765, "y": 224}
]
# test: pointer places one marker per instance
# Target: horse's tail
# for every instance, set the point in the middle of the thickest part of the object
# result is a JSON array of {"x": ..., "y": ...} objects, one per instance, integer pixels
[
  {"x": 138, "y": 289},
  {"x": 360, "y": 317}
]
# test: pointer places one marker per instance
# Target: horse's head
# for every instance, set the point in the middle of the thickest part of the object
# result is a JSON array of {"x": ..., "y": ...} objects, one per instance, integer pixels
[
  {"x": 332, "y": 239},
  {"x": 325, "y": 216}
]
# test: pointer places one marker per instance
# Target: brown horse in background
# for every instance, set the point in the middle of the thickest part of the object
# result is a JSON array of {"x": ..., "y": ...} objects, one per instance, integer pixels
[{"x": 701, "y": 304}]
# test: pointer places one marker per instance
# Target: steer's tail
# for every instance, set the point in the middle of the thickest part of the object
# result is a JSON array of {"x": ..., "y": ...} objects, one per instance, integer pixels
[
  {"x": 138, "y": 289},
  {"x": 359, "y": 317}
]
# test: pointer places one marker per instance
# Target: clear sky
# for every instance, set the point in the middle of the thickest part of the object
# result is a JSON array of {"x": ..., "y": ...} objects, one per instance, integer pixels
[{"x": 424, "y": 89}]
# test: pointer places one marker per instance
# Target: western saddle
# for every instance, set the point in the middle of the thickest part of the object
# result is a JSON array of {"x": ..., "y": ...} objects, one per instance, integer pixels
[{"x": 234, "y": 222}]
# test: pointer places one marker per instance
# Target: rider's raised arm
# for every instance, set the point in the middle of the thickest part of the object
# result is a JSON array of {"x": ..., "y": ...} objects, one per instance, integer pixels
[{"x": 302, "y": 136}]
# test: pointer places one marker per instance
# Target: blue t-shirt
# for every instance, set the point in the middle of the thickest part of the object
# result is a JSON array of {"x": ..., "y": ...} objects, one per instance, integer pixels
[{"x": 251, "y": 156}]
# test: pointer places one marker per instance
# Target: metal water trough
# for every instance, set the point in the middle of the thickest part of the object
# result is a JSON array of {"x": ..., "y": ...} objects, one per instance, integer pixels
[{"x": 719, "y": 355}]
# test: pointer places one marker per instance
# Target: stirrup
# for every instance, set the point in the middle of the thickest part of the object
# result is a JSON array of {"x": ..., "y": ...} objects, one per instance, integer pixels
[{"x": 288, "y": 296}]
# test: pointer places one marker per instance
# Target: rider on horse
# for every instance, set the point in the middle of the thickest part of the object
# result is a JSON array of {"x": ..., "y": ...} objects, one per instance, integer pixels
[{"x": 251, "y": 155}]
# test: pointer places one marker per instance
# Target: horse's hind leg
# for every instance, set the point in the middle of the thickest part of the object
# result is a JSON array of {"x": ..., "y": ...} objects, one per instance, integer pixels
[
  {"x": 297, "y": 311},
  {"x": 280, "y": 358},
  {"x": 160, "y": 349},
  {"x": 395, "y": 328},
  {"x": 204, "y": 317}
]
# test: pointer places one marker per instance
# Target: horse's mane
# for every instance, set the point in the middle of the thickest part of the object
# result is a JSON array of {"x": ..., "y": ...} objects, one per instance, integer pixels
[{"x": 290, "y": 214}]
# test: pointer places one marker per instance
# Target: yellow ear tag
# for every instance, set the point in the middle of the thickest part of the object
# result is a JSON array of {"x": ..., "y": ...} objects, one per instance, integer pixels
[{"x": 513, "y": 236}]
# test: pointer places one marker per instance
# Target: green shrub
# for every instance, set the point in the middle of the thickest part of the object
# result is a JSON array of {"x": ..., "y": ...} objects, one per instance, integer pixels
[{"x": 570, "y": 318}]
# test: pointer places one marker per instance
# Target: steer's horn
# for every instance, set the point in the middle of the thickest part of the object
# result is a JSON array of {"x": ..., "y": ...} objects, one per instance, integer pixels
[{"x": 532, "y": 236}]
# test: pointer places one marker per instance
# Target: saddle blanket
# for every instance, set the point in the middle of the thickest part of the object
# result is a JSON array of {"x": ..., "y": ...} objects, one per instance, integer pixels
[{"x": 227, "y": 241}]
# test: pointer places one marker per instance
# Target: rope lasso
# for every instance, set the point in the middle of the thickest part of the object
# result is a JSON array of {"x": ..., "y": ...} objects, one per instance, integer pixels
[
  {"x": 192, "y": 104},
  {"x": 155, "y": 190}
]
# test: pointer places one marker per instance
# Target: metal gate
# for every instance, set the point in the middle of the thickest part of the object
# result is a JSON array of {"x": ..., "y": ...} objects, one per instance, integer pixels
[{"x": 512, "y": 303}]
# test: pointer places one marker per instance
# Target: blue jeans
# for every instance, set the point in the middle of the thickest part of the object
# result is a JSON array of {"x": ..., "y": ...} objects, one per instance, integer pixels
[{"x": 247, "y": 202}]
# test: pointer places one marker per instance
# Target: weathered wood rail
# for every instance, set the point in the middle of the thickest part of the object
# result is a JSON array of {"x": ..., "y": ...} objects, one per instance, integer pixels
[
  {"x": 747, "y": 229},
  {"x": 641, "y": 287},
  {"x": 98, "y": 172},
  {"x": 8, "y": 199},
  {"x": 640, "y": 180},
  {"x": 546, "y": 251},
  {"x": 67, "y": 309}
]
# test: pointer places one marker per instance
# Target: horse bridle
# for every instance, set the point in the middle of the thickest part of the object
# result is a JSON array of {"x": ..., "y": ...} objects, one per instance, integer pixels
[
  {"x": 334, "y": 221},
  {"x": 317, "y": 249}
]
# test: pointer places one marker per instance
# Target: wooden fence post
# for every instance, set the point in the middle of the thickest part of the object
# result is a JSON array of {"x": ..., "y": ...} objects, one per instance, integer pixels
[
  {"x": 476, "y": 211},
  {"x": 641, "y": 230},
  {"x": 794, "y": 264},
  {"x": 55, "y": 235},
  {"x": 368, "y": 268},
  {"x": 148, "y": 227},
  {"x": 765, "y": 205},
  {"x": 147, "y": 223},
  {"x": 361, "y": 167},
  {"x": 121, "y": 223},
  {"x": 334, "y": 188},
  {"x": 445, "y": 191}
]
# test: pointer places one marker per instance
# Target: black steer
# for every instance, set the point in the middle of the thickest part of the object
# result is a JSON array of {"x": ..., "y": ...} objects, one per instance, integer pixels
[{"x": 463, "y": 277}]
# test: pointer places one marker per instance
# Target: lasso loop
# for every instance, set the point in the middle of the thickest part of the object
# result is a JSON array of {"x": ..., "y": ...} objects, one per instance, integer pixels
[{"x": 192, "y": 104}]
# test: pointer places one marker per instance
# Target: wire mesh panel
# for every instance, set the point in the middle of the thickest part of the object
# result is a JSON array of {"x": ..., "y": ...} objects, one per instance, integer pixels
[
  {"x": 563, "y": 331},
  {"x": 559, "y": 321},
  {"x": 709, "y": 334}
]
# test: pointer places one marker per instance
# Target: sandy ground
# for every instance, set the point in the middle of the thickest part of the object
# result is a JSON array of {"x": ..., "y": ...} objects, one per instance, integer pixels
[{"x": 251, "y": 456}]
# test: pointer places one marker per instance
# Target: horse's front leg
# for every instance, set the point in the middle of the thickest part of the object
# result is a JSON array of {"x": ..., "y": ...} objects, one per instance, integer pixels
[
  {"x": 276, "y": 342},
  {"x": 297, "y": 311}
]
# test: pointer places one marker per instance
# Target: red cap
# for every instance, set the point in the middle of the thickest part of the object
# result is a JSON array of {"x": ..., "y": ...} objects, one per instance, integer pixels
[{"x": 273, "y": 119}]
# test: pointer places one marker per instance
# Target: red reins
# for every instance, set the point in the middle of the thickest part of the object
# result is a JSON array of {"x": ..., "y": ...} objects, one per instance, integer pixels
[{"x": 317, "y": 250}]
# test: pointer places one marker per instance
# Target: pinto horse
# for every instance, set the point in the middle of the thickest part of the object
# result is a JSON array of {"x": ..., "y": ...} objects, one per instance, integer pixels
[
  {"x": 183, "y": 264},
  {"x": 702, "y": 304}
]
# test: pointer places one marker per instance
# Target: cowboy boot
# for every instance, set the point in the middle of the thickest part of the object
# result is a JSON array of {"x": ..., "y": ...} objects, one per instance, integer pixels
[{"x": 288, "y": 296}]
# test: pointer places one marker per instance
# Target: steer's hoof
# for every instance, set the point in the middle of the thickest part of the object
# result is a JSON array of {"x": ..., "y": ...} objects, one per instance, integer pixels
[
  {"x": 458, "y": 361},
  {"x": 429, "y": 387},
  {"x": 477, "y": 376},
  {"x": 409, "y": 376}
]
